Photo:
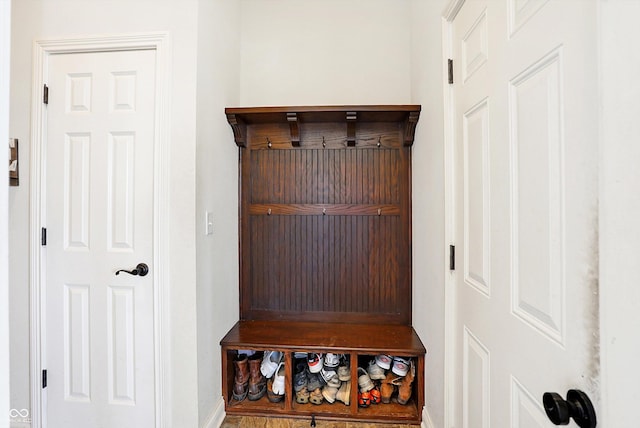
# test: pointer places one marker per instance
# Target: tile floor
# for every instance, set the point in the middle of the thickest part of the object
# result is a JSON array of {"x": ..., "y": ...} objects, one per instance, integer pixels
[{"x": 253, "y": 422}]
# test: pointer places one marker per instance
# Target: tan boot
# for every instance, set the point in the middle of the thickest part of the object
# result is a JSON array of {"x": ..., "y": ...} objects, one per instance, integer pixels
[
  {"x": 404, "y": 391},
  {"x": 257, "y": 382},
  {"x": 387, "y": 387},
  {"x": 241, "y": 380}
]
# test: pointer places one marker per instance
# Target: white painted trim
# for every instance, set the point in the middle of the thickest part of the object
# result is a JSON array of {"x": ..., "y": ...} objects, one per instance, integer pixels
[
  {"x": 160, "y": 42},
  {"x": 216, "y": 417},
  {"x": 5, "y": 62},
  {"x": 427, "y": 422},
  {"x": 450, "y": 357}
]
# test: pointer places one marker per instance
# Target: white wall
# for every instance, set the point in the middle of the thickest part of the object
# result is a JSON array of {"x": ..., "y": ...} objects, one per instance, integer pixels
[
  {"x": 80, "y": 17},
  {"x": 317, "y": 52},
  {"x": 217, "y": 192},
  {"x": 619, "y": 210},
  {"x": 428, "y": 197},
  {"x": 5, "y": 45}
]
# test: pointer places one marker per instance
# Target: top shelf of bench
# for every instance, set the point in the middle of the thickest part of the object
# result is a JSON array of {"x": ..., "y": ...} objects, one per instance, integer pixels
[{"x": 324, "y": 337}]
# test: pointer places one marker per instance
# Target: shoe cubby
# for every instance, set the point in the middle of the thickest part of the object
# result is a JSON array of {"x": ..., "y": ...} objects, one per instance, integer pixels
[{"x": 325, "y": 256}]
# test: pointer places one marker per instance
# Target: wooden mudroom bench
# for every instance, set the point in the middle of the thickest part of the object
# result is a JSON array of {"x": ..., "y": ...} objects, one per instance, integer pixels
[{"x": 325, "y": 248}]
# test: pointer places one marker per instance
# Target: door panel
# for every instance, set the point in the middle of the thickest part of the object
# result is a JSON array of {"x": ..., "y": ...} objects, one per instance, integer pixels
[
  {"x": 99, "y": 210},
  {"x": 526, "y": 200}
]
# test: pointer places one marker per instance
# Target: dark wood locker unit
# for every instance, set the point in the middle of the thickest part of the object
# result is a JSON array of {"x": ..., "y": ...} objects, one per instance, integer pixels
[{"x": 325, "y": 245}]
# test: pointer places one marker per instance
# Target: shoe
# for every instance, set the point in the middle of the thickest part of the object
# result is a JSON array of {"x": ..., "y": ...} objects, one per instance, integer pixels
[
  {"x": 257, "y": 382},
  {"x": 387, "y": 387},
  {"x": 400, "y": 366},
  {"x": 241, "y": 380},
  {"x": 344, "y": 393},
  {"x": 270, "y": 363},
  {"x": 314, "y": 381},
  {"x": 375, "y": 371},
  {"x": 271, "y": 395},
  {"x": 334, "y": 382},
  {"x": 344, "y": 373},
  {"x": 384, "y": 361},
  {"x": 315, "y": 362},
  {"x": 331, "y": 362},
  {"x": 404, "y": 390},
  {"x": 278, "y": 380},
  {"x": 300, "y": 378},
  {"x": 329, "y": 393},
  {"x": 327, "y": 375},
  {"x": 364, "y": 399},
  {"x": 302, "y": 396},
  {"x": 316, "y": 397},
  {"x": 376, "y": 396},
  {"x": 364, "y": 381}
]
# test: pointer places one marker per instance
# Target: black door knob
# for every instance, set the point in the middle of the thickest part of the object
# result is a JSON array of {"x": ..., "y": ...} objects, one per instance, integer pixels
[
  {"x": 576, "y": 406},
  {"x": 142, "y": 269}
]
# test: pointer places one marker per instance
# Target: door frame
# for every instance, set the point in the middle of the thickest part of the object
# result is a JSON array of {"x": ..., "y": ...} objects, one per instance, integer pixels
[
  {"x": 42, "y": 51},
  {"x": 448, "y": 15}
]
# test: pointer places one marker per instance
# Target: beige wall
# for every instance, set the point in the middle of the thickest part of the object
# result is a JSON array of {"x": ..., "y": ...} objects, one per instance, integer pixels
[
  {"x": 317, "y": 52},
  {"x": 217, "y": 192}
]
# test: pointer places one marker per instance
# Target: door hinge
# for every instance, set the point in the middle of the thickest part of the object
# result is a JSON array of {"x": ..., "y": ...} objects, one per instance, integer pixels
[
  {"x": 44, "y": 379},
  {"x": 450, "y": 67},
  {"x": 43, "y": 236},
  {"x": 452, "y": 257},
  {"x": 45, "y": 95}
]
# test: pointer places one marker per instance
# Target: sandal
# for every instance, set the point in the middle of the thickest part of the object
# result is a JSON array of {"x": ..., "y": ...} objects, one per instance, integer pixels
[{"x": 364, "y": 381}]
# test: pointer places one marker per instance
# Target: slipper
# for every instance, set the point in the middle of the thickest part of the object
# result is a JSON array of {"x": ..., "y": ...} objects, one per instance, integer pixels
[
  {"x": 302, "y": 396},
  {"x": 316, "y": 396}
]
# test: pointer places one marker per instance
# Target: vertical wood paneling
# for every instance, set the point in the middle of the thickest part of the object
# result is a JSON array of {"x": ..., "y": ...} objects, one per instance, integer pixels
[{"x": 341, "y": 264}]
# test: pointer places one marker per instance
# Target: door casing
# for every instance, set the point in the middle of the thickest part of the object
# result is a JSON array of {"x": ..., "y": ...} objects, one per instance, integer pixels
[{"x": 42, "y": 50}]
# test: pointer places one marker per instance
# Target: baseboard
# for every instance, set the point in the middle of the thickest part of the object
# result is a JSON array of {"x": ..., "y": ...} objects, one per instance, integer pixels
[
  {"x": 216, "y": 416},
  {"x": 426, "y": 420}
]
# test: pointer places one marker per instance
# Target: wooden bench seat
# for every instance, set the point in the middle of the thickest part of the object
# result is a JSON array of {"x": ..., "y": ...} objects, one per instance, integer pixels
[{"x": 360, "y": 341}]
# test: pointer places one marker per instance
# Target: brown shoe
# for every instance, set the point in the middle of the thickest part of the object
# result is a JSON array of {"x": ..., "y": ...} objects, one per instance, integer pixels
[
  {"x": 404, "y": 391},
  {"x": 257, "y": 382},
  {"x": 387, "y": 387},
  {"x": 241, "y": 381}
]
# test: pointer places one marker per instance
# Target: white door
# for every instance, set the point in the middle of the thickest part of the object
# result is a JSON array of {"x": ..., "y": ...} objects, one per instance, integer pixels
[
  {"x": 526, "y": 313},
  {"x": 98, "y": 327}
]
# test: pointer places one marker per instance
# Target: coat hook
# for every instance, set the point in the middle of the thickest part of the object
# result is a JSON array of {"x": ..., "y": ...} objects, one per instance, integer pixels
[
  {"x": 269, "y": 142},
  {"x": 269, "y": 211},
  {"x": 379, "y": 141},
  {"x": 324, "y": 211},
  {"x": 379, "y": 211},
  {"x": 324, "y": 144}
]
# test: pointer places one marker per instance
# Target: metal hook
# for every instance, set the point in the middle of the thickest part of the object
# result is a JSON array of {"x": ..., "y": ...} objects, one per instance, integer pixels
[
  {"x": 379, "y": 141},
  {"x": 269, "y": 142},
  {"x": 324, "y": 211},
  {"x": 379, "y": 211},
  {"x": 324, "y": 144},
  {"x": 269, "y": 211}
]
